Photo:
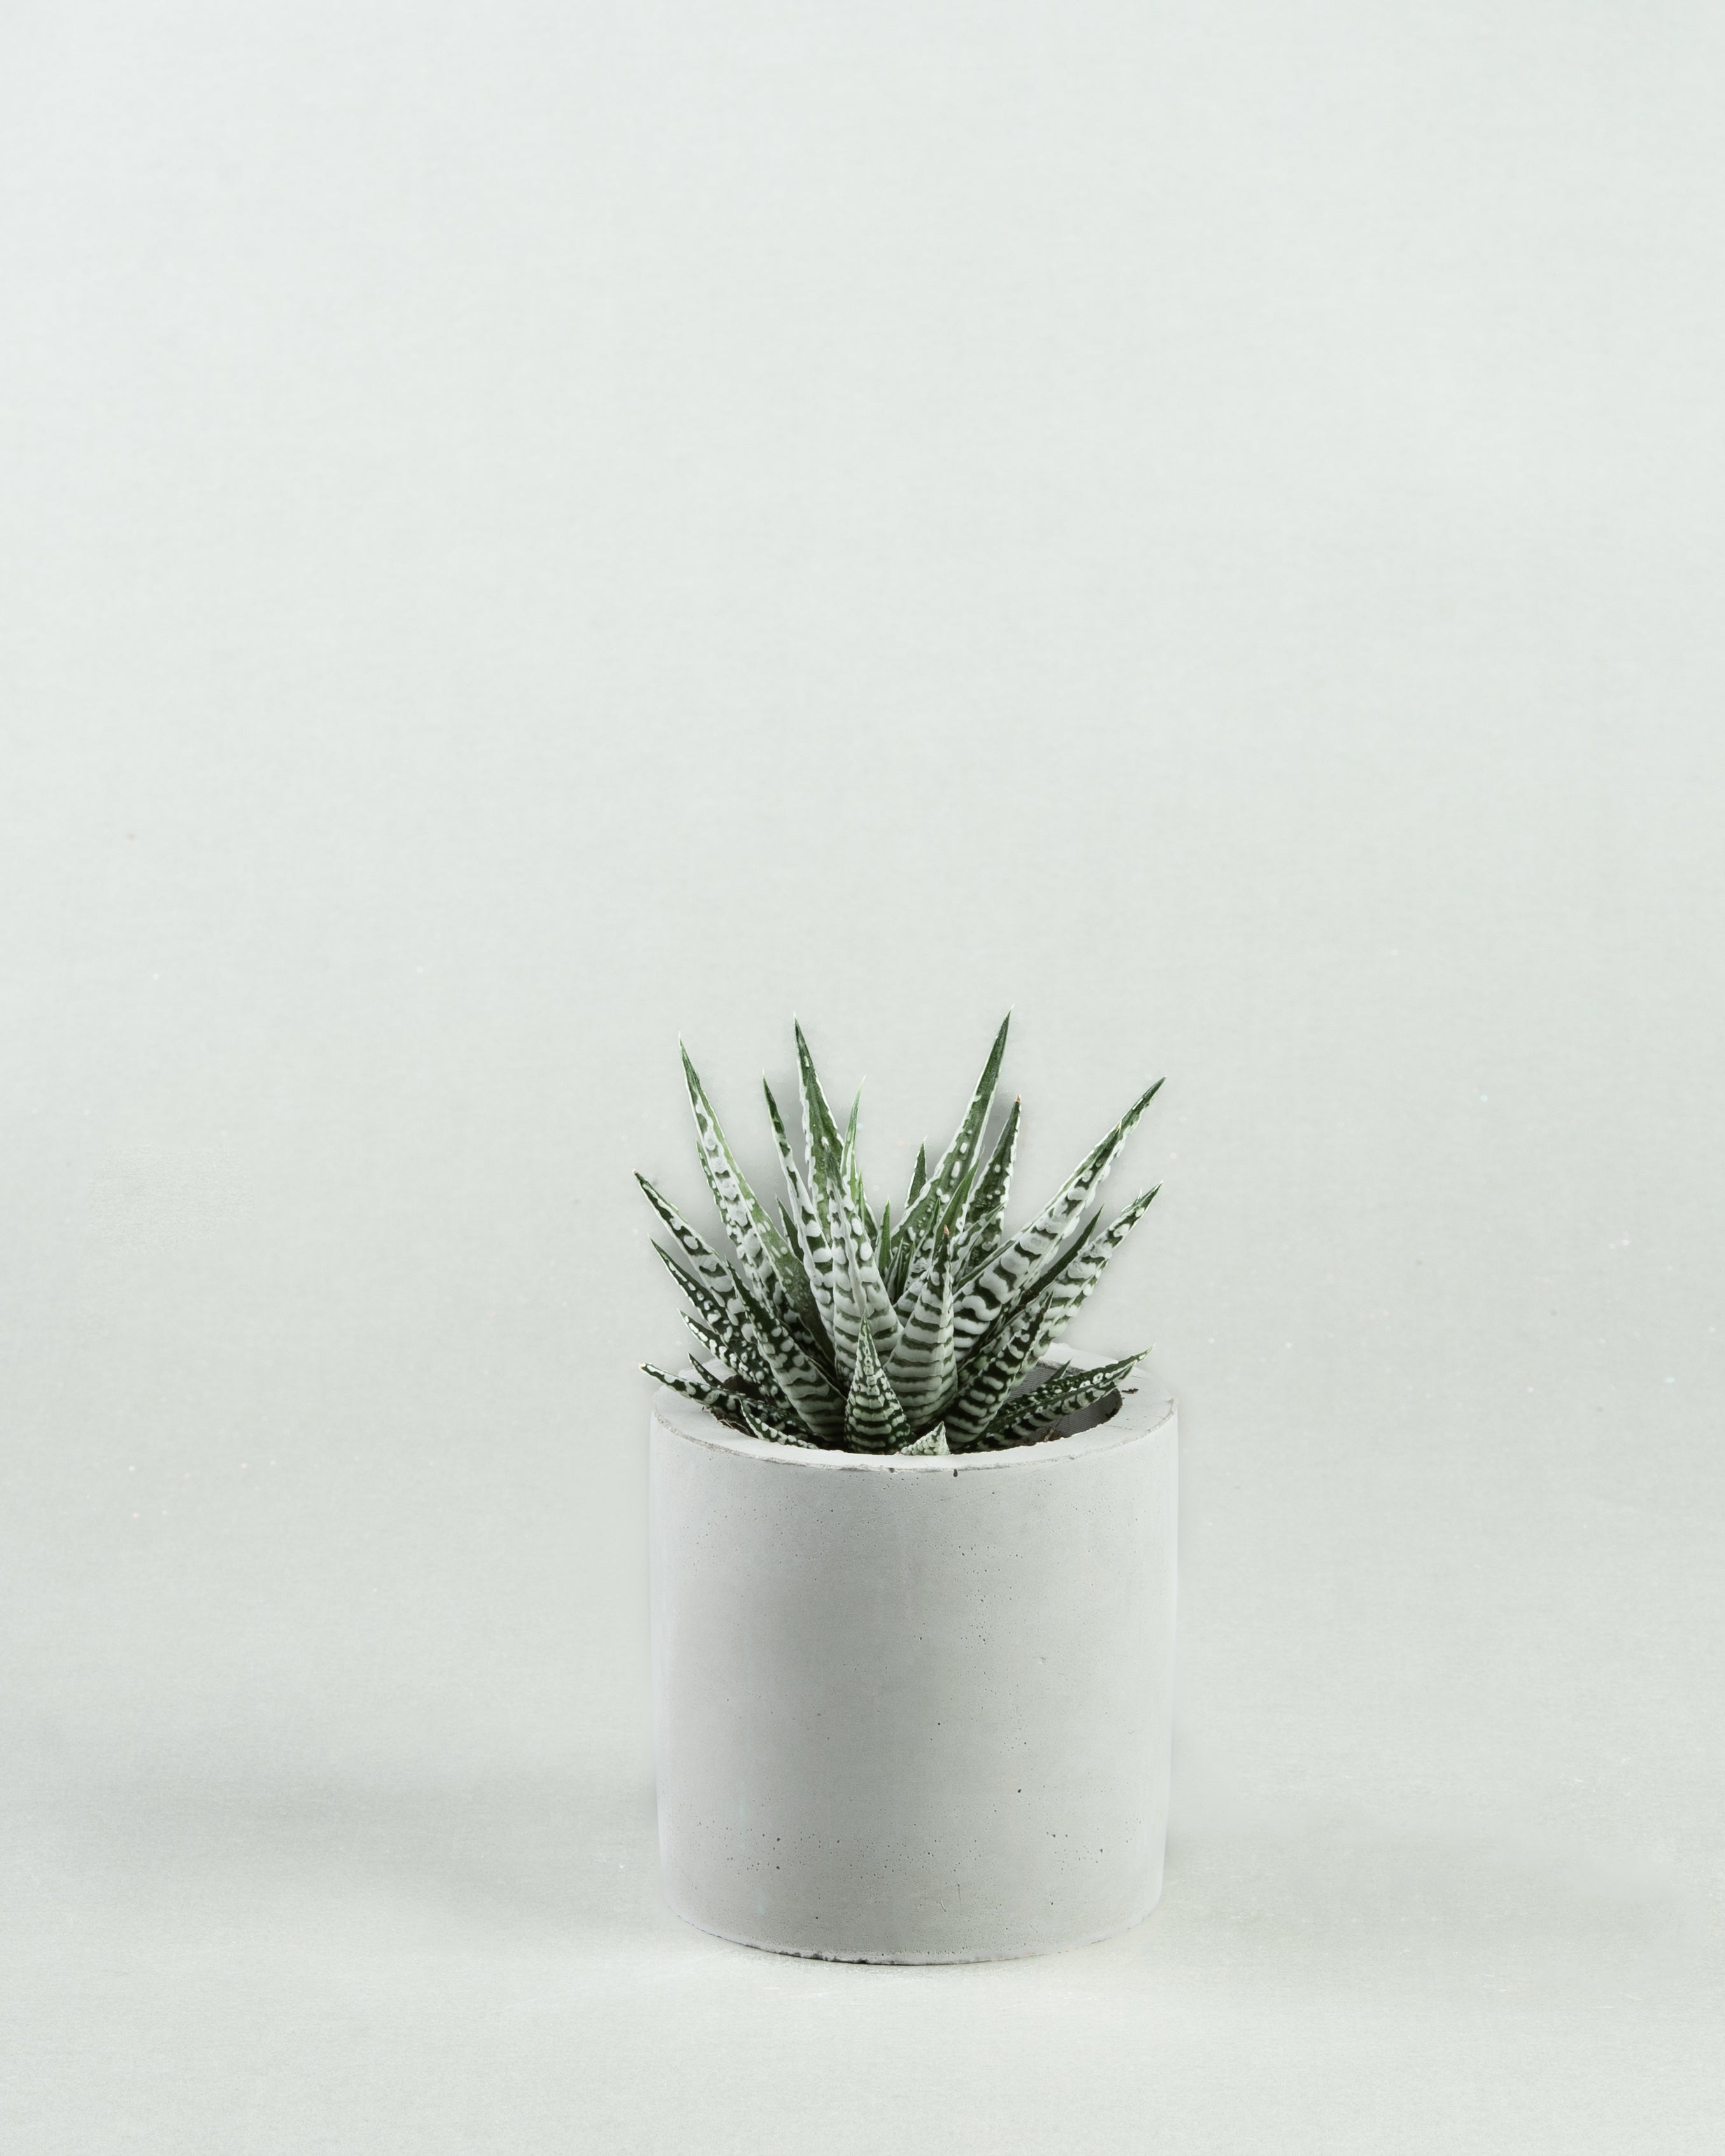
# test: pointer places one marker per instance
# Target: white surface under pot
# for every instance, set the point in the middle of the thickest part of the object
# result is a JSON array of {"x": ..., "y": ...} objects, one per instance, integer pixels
[{"x": 914, "y": 1710}]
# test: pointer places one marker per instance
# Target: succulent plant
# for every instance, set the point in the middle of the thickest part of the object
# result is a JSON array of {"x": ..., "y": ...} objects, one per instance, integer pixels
[{"x": 832, "y": 1329}]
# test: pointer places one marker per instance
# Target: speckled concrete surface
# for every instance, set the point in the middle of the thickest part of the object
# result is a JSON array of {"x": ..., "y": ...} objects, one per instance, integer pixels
[{"x": 914, "y": 1710}]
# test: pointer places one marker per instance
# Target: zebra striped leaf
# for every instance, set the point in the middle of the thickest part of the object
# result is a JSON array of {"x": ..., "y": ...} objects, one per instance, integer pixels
[
  {"x": 775, "y": 1432},
  {"x": 826, "y": 1193},
  {"x": 988, "y": 1201},
  {"x": 923, "y": 1369},
  {"x": 736, "y": 1309},
  {"x": 1075, "y": 1286},
  {"x": 981, "y": 1390},
  {"x": 816, "y": 1254},
  {"x": 852, "y": 1178},
  {"x": 960, "y": 1155},
  {"x": 718, "y": 1308},
  {"x": 815, "y": 1399},
  {"x": 714, "y": 1394},
  {"x": 994, "y": 1282},
  {"x": 1027, "y": 1415},
  {"x": 750, "y": 1334},
  {"x": 707, "y": 1267},
  {"x": 874, "y": 1418},
  {"x": 1033, "y": 1292},
  {"x": 758, "y": 1243},
  {"x": 960, "y": 1158},
  {"x": 860, "y": 1297},
  {"x": 914, "y": 1334},
  {"x": 821, "y": 1146},
  {"x": 918, "y": 1176},
  {"x": 952, "y": 1221},
  {"x": 735, "y": 1350}
]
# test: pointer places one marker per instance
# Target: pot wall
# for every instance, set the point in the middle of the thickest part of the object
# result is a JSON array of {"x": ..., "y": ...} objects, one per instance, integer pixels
[{"x": 914, "y": 1710}]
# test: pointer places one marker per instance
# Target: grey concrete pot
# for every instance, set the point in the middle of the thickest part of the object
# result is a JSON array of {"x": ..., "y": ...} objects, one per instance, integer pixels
[{"x": 914, "y": 1710}]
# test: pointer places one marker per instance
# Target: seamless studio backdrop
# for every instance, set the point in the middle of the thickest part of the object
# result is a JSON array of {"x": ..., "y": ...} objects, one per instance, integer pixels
[{"x": 529, "y": 531}]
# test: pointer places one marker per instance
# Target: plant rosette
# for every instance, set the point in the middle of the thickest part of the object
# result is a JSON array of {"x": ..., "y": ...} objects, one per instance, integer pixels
[{"x": 913, "y": 1564}]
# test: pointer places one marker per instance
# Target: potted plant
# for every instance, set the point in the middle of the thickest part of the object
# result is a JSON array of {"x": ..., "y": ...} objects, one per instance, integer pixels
[{"x": 913, "y": 1564}]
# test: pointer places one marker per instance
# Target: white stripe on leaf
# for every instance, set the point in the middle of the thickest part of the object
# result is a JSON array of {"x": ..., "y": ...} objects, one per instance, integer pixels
[
  {"x": 1029, "y": 1415},
  {"x": 995, "y": 1280},
  {"x": 874, "y": 1418},
  {"x": 924, "y": 1368}
]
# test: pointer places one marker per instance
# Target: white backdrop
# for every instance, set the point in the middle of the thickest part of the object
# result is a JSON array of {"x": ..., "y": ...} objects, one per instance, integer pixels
[{"x": 527, "y": 530}]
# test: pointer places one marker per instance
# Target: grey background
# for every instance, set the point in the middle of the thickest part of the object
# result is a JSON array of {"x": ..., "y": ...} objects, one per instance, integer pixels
[{"x": 531, "y": 529}]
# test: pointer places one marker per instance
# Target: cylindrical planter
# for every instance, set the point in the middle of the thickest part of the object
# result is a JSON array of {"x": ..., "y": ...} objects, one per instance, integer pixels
[{"x": 914, "y": 1710}]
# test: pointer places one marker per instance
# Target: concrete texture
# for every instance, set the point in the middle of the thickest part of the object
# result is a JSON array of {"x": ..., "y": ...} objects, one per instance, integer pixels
[{"x": 914, "y": 1710}]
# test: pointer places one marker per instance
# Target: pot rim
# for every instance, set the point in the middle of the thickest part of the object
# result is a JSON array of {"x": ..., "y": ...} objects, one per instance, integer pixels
[{"x": 1145, "y": 1409}]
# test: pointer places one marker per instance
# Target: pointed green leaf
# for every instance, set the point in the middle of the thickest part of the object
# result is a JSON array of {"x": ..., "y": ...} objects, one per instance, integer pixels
[
  {"x": 918, "y": 1175},
  {"x": 1029, "y": 1415},
  {"x": 897, "y": 1274},
  {"x": 950, "y": 1221},
  {"x": 821, "y": 1138},
  {"x": 851, "y": 1176},
  {"x": 800, "y": 1320},
  {"x": 1074, "y": 1287},
  {"x": 704, "y": 1261},
  {"x": 758, "y": 1245},
  {"x": 816, "y": 1399},
  {"x": 874, "y": 1418},
  {"x": 984, "y": 1383},
  {"x": 959, "y": 1158},
  {"x": 816, "y": 1254},
  {"x": 860, "y": 1297},
  {"x": 931, "y": 1441},
  {"x": 988, "y": 1201},
  {"x": 807, "y": 1388},
  {"x": 775, "y": 1433},
  {"x": 718, "y": 1305},
  {"x": 923, "y": 1369},
  {"x": 826, "y": 1183},
  {"x": 1033, "y": 1292},
  {"x": 992, "y": 1285},
  {"x": 735, "y": 1323},
  {"x": 734, "y": 1349},
  {"x": 701, "y": 1389},
  {"x": 726, "y": 1401}
]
